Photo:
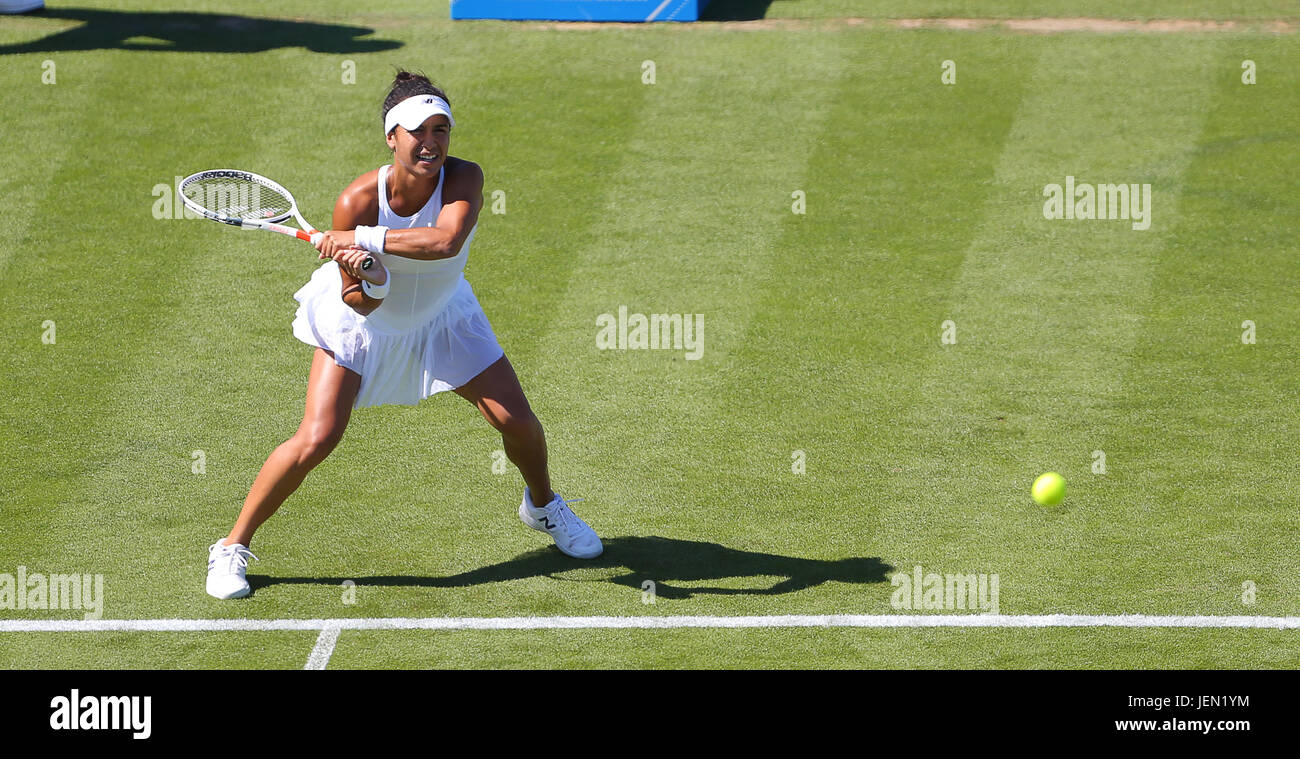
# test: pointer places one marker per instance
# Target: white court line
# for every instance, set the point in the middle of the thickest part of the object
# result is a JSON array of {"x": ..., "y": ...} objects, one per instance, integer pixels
[
  {"x": 324, "y": 648},
  {"x": 584, "y": 623}
]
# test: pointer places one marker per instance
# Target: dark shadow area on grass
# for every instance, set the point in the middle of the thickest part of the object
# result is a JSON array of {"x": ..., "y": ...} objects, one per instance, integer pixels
[
  {"x": 194, "y": 33},
  {"x": 660, "y": 560},
  {"x": 735, "y": 10}
]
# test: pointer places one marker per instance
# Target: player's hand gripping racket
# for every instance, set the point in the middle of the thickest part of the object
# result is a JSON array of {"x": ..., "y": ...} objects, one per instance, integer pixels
[{"x": 247, "y": 200}]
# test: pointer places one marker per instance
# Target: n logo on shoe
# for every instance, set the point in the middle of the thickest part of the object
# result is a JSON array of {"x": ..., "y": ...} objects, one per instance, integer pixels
[{"x": 547, "y": 521}]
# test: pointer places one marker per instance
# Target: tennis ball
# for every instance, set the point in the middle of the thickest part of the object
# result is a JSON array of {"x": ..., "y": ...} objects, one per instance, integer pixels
[{"x": 1049, "y": 489}]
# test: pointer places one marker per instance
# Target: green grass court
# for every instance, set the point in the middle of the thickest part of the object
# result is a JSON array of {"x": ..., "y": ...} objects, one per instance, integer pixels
[{"x": 823, "y": 333}]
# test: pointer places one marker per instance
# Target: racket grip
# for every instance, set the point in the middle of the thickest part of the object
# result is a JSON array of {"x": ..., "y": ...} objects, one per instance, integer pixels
[{"x": 313, "y": 238}]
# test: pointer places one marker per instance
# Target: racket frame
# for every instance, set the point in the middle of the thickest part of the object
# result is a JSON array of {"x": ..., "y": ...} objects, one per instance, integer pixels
[{"x": 308, "y": 232}]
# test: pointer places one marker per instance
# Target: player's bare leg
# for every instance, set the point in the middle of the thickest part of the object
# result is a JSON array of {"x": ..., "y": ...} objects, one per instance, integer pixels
[
  {"x": 331, "y": 389},
  {"x": 496, "y": 393}
]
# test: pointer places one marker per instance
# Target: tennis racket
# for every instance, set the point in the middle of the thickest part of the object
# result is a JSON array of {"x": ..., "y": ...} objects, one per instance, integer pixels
[{"x": 246, "y": 200}]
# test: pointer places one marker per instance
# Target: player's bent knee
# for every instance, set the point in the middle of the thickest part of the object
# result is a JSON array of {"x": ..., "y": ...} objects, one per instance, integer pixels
[
  {"x": 519, "y": 426},
  {"x": 316, "y": 445}
]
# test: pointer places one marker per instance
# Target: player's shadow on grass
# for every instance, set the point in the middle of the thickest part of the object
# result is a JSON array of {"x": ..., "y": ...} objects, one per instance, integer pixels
[
  {"x": 633, "y": 560},
  {"x": 194, "y": 33}
]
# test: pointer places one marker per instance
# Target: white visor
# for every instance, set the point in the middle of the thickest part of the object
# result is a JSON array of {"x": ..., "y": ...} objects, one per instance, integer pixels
[{"x": 414, "y": 111}]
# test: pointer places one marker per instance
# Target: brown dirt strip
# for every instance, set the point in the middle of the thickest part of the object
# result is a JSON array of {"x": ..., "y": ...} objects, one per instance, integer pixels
[{"x": 1019, "y": 25}]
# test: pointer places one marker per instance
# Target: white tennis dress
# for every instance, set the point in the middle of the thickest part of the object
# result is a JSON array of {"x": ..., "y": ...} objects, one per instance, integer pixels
[{"x": 429, "y": 335}]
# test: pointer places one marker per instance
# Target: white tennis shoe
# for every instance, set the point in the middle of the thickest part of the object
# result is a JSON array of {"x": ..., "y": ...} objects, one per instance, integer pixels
[
  {"x": 572, "y": 536},
  {"x": 226, "y": 568}
]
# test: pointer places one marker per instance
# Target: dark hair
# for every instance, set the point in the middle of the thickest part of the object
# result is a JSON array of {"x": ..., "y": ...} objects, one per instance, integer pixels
[{"x": 407, "y": 85}]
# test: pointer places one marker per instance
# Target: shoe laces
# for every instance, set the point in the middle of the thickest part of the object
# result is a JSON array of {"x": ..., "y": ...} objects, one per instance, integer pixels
[
  {"x": 236, "y": 557},
  {"x": 565, "y": 515}
]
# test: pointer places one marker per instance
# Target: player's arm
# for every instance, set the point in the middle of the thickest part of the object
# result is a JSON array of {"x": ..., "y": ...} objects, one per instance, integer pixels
[
  {"x": 358, "y": 204},
  {"x": 462, "y": 199}
]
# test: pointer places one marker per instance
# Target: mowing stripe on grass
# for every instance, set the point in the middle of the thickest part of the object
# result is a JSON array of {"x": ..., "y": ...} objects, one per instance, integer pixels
[
  {"x": 330, "y": 627},
  {"x": 1058, "y": 300},
  {"x": 683, "y": 236},
  {"x": 54, "y": 207},
  {"x": 826, "y": 356},
  {"x": 519, "y": 259},
  {"x": 1215, "y": 423},
  {"x": 1047, "y": 313},
  {"x": 109, "y": 323}
]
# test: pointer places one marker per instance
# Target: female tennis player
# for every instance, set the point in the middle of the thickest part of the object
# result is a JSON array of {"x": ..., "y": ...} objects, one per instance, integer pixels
[{"x": 405, "y": 328}]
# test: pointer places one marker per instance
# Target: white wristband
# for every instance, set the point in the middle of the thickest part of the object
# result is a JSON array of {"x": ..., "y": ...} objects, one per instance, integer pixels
[
  {"x": 370, "y": 238},
  {"x": 378, "y": 292}
]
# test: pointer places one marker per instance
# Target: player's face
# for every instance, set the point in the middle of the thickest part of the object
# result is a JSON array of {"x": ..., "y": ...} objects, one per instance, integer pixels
[{"x": 424, "y": 150}]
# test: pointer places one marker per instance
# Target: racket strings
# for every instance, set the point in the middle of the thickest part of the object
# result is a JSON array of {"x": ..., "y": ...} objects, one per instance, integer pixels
[{"x": 238, "y": 197}]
